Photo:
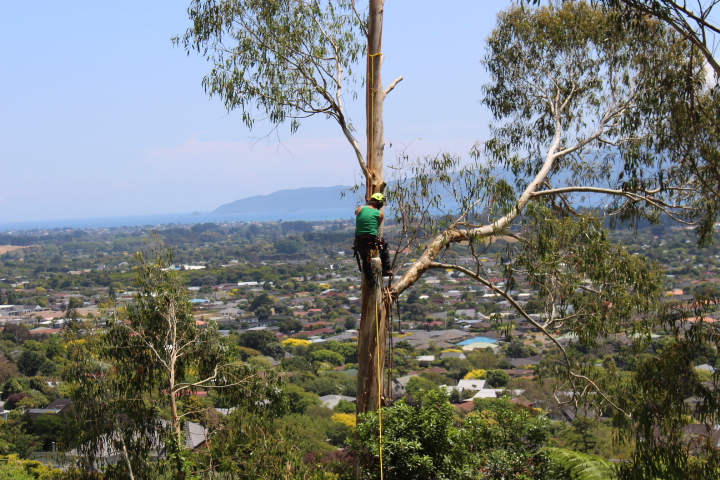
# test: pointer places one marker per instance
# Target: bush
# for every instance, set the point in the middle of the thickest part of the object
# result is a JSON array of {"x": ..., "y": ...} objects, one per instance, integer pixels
[
  {"x": 497, "y": 378},
  {"x": 419, "y": 442},
  {"x": 476, "y": 374},
  {"x": 298, "y": 399},
  {"x": 328, "y": 356},
  {"x": 345, "y": 406}
]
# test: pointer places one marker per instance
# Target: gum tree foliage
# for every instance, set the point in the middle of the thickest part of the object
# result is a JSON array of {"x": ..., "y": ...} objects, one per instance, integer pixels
[
  {"x": 665, "y": 406},
  {"x": 594, "y": 123},
  {"x": 569, "y": 94},
  {"x": 695, "y": 21},
  {"x": 126, "y": 381},
  {"x": 695, "y": 115},
  {"x": 281, "y": 60}
]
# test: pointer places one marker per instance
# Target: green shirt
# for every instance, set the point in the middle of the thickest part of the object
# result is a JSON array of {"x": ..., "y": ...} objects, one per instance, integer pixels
[{"x": 367, "y": 221}]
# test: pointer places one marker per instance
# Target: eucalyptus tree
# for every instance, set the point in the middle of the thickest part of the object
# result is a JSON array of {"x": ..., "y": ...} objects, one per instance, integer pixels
[
  {"x": 692, "y": 133},
  {"x": 696, "y": 21},
  {"x": 287, "y": 60},
  {"x": 570, "y": 93},
  {"x": 581, "y": 109},
  {"x": 152, "y": 353},
  {"x": 593, "y": 122}
]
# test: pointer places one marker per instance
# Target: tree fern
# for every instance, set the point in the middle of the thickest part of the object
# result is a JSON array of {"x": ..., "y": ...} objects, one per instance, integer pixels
[{"x": 581, "y": 466}]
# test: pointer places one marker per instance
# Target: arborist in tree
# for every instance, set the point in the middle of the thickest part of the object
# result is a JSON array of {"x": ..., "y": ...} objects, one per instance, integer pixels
[{"x": 367, "y": 223}]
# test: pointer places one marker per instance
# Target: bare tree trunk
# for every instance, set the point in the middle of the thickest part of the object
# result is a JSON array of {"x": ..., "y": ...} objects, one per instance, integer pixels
[
  {"x": 371, "y": 349},
  {"x": 371, "y": 339},
  {"x": 374, "y": 100}
]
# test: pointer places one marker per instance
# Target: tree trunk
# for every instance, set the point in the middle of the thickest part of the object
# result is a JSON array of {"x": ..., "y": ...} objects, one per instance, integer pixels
[
  {"x": 126, "y": 455},
  {"x": 177, "y": 428},
  {"x": 371, "y": 349},
  {"x": 372, "y": 336}
]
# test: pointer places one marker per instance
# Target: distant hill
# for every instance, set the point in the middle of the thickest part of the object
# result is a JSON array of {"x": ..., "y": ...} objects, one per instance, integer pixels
[{"x": 293, "y": 200}]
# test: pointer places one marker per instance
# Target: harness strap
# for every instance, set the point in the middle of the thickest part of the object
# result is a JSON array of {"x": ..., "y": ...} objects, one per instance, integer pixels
[{"x": 357, "y": 258}]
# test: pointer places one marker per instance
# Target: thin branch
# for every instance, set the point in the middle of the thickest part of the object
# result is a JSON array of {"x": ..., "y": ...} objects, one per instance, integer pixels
[
  {"x": 527, "y": 317},
  {"x": 392, "y": 85},
  {"x": 363, "y": 25},
  {"x": 505, "y": 295}
]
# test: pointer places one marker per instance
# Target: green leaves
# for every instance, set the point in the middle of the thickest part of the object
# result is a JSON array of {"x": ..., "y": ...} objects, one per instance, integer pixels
[
  {"x": 581, "y": 466},
  {"x": 428, "y": 441},
  {"x": 596, "y": 287},
  {"x": 430, "y": 194},
  {"x": 570, "y": 83},
  {"x": 278, "y": 59},
  {"x": 673, "y": 411},
  {"x": 418, "y": 442},
  {"x": 125, "y": 379}
]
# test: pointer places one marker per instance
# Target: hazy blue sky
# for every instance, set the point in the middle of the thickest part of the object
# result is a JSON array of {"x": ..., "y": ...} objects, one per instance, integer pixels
[{"x": 101, "y": 116}]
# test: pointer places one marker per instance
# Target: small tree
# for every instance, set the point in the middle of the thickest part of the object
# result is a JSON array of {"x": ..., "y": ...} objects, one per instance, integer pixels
[
  {"x": 417, "y": 385},
  {"x": 476, "y": 374},
  {"x": 419, "y": 442},
  {"x": 30, "y": 362},
  {"x": 694, "y": 21},
  {"x": 516, "y": 349},
  {"x": 152, "y": 354},
  {"x": 290, "y": 326},
  {"x": 264, "y": 341},
  {"x": 497, "y": 378}
]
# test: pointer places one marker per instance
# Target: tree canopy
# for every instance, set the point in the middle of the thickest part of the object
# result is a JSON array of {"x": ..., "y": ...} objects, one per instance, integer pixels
[{"x": 594, "y": 124}]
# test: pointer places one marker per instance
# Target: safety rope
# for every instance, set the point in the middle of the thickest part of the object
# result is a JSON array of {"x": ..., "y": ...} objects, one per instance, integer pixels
[
  {"x": 379, "y": 375},
  {"x": 385, "y": 295},
  {"x": 388, "y": 302}
]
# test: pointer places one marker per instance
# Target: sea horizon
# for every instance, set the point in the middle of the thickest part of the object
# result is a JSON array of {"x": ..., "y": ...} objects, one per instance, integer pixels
[{"x": 154, "y": 220}]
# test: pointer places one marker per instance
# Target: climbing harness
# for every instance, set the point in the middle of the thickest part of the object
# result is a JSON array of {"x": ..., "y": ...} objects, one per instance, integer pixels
[{"x": 371, "y": 254}]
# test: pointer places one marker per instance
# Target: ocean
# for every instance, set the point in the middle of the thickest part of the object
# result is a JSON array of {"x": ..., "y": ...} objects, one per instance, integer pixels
[{"x": 178, "y": 218}]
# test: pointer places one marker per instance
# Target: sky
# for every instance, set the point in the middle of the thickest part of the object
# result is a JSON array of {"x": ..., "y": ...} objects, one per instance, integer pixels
[{"x": 100, "y": 115}]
